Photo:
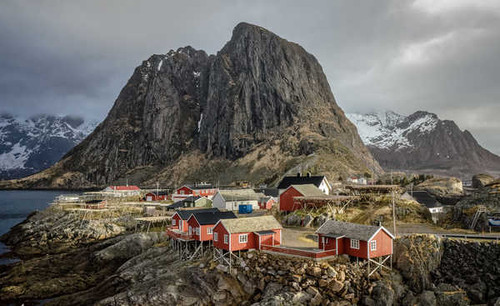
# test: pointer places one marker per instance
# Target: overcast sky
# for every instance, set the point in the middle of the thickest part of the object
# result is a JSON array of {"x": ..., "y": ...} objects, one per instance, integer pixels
[{"x": 442, "y": 56}]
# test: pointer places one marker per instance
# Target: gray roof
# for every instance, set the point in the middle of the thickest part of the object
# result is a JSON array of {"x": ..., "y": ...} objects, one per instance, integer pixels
[
  {"x": 251, "y": 224},
  {"x": 308, "y": 190},
  {"x": 350, "y": 230},
  {"x": 240, "y": 194}
]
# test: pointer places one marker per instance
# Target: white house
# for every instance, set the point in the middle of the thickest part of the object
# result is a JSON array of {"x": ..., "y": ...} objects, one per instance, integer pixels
[{"x": 231, "y": 199}]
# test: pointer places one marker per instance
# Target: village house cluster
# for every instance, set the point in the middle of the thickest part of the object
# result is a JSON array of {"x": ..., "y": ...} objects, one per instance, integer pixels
[{"x": 227, "y": 220}]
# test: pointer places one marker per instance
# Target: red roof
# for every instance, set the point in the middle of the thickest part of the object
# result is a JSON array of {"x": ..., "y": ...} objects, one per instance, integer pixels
[{"x": 132, "y": 187}]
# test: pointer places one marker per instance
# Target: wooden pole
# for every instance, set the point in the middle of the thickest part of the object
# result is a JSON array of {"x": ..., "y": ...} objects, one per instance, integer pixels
[{"x": 394, "y": 214}]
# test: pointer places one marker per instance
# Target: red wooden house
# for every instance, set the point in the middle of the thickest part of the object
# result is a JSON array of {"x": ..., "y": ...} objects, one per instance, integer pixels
[
  {"x": 156, "y": 196},
  {"x": 185, "y": 191},
  {"x": 246, "y": 233},
  {"x": 363, "y": 241},
  {"x": 201, "y": 224},
  {"x": 266, "y": 202},
  {"x": 287, "y": 197},
  {"x": 180, "y": 218}
]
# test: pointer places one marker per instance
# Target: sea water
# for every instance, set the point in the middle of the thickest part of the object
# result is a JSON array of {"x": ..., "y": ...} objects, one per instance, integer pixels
[{"x": 16, "y": 205}]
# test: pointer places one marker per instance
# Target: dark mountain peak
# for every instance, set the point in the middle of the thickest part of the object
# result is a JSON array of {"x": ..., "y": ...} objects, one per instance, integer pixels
[
  {"x": 422, "y": 114},
  {"x": 73, "y": 121},
  {"x": 259, "y": 108}
]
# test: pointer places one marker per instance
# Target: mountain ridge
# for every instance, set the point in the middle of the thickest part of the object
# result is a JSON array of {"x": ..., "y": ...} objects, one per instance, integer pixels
[
  {"x": 29, "y": 145},
  {"x": 423, "y": 142}
]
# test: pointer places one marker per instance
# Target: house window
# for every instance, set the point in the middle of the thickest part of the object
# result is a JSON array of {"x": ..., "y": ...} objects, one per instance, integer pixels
[
  {"x": 243, "y": 238},
  {"x": 354, "y": 244},
  {"x": 373, "y": 245},
  {"x": 216, "y": 236},
  {"x": 226, "y": 239},
  {"x": 210, "y": 230},
  {"x": 173, "y": 221},
  {"x": 198, "y": 231},
  {"x": 181, "y": 192}
]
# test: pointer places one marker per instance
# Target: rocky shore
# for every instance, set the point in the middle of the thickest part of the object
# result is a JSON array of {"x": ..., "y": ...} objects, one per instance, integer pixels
[{"x": 69, "y": 261}]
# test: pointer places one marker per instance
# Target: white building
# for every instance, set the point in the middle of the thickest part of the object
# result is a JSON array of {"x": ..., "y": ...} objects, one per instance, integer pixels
[{"x": 231, "y": 199}]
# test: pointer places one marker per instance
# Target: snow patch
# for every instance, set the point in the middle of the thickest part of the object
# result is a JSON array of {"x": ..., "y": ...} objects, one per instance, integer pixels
[
  {"x": 389, "y": 130},
  {"x": 159, "y": 65},
  {"x": 199, "y": 123}
]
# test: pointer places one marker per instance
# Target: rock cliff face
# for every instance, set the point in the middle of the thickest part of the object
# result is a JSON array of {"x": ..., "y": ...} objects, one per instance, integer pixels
[
  {"x": 423, "y": 143},
  {"x": 258, "y": 109}
]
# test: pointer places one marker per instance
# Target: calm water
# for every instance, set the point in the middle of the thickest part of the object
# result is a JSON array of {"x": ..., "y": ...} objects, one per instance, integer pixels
[{"x": 15, "y": 206}]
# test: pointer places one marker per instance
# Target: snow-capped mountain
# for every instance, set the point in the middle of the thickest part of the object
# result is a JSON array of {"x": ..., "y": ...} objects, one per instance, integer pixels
[
  {"x": 422, "y": 142},
  {"x": 30, "y": 145}
]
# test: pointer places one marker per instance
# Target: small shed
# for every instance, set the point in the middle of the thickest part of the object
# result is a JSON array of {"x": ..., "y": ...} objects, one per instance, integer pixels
[{"x": 358, "y": 240}]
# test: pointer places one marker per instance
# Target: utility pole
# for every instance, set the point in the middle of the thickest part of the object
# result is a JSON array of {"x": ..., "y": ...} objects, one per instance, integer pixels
[{"x": 393, "y": 214}]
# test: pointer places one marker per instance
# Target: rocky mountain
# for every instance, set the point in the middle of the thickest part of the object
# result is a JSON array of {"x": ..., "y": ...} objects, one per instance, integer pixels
[
  {"x": 261, "y": 107},
  {"x": 30, "y": 145},
  {"x": 424, "y": 143}
]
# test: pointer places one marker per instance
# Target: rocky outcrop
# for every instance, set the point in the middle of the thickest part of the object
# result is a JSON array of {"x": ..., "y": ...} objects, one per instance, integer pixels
[
  {"x": 481, "y": 180},
  {"x": 442, "y": 187},
  {"x": 259, "y": 108},
  {"x": 487, "y": 198},
  {"x": 55, "y": 231},
  {"x": 416, "y": 257}
]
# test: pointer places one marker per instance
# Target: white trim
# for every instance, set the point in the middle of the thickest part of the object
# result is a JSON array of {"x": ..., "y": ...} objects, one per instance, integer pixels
[
  {"x": 351, "y": 243},
  {"x": 336, "y": 246},
  {"x": 216, "y": 237},
  {"x": 385, "y": 230},
  {"x": 371, "y": 246},
  {"x": 243, "y": 236}
]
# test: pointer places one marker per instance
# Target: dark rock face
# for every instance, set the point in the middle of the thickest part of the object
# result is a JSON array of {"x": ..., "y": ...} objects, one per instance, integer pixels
[
  {"x": 260, "y": 92},
  {"x": 473, "y": 267}
]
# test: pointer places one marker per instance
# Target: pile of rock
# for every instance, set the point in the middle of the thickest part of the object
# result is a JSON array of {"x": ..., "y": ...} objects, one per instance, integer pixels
[{"x": 270, "y": 279}]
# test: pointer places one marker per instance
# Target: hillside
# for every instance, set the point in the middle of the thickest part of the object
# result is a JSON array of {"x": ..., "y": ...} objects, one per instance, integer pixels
[
  {"x": 258, "y": 109},
  {"x": 30, "y": 145},
  {"x": 422, "y": 142}
]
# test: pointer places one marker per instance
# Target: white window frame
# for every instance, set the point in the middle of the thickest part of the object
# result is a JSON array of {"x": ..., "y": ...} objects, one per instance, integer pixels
[
  {"x": 210, "y": 230},
  {"x": 226, "y": 239},
  {"x": 197, "y": 231},
  {"x": 181, "y": 191},
  {"x": 173, "y": 221},
  {"x": 216, "y": 236},
  {"x": 373, "y": 245},
  {"x": 355, "y": 244},
  {"x": 243, "y": 238}
]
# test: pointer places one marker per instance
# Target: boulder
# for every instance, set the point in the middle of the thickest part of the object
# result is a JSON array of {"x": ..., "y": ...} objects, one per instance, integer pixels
[
  {"x": 442, "y": 187},
  {"x": 481, "y": 180}
]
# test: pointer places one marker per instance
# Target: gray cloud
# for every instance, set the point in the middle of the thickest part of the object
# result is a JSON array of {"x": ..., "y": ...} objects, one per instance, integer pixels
[{"x": 440, "y": 56}]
